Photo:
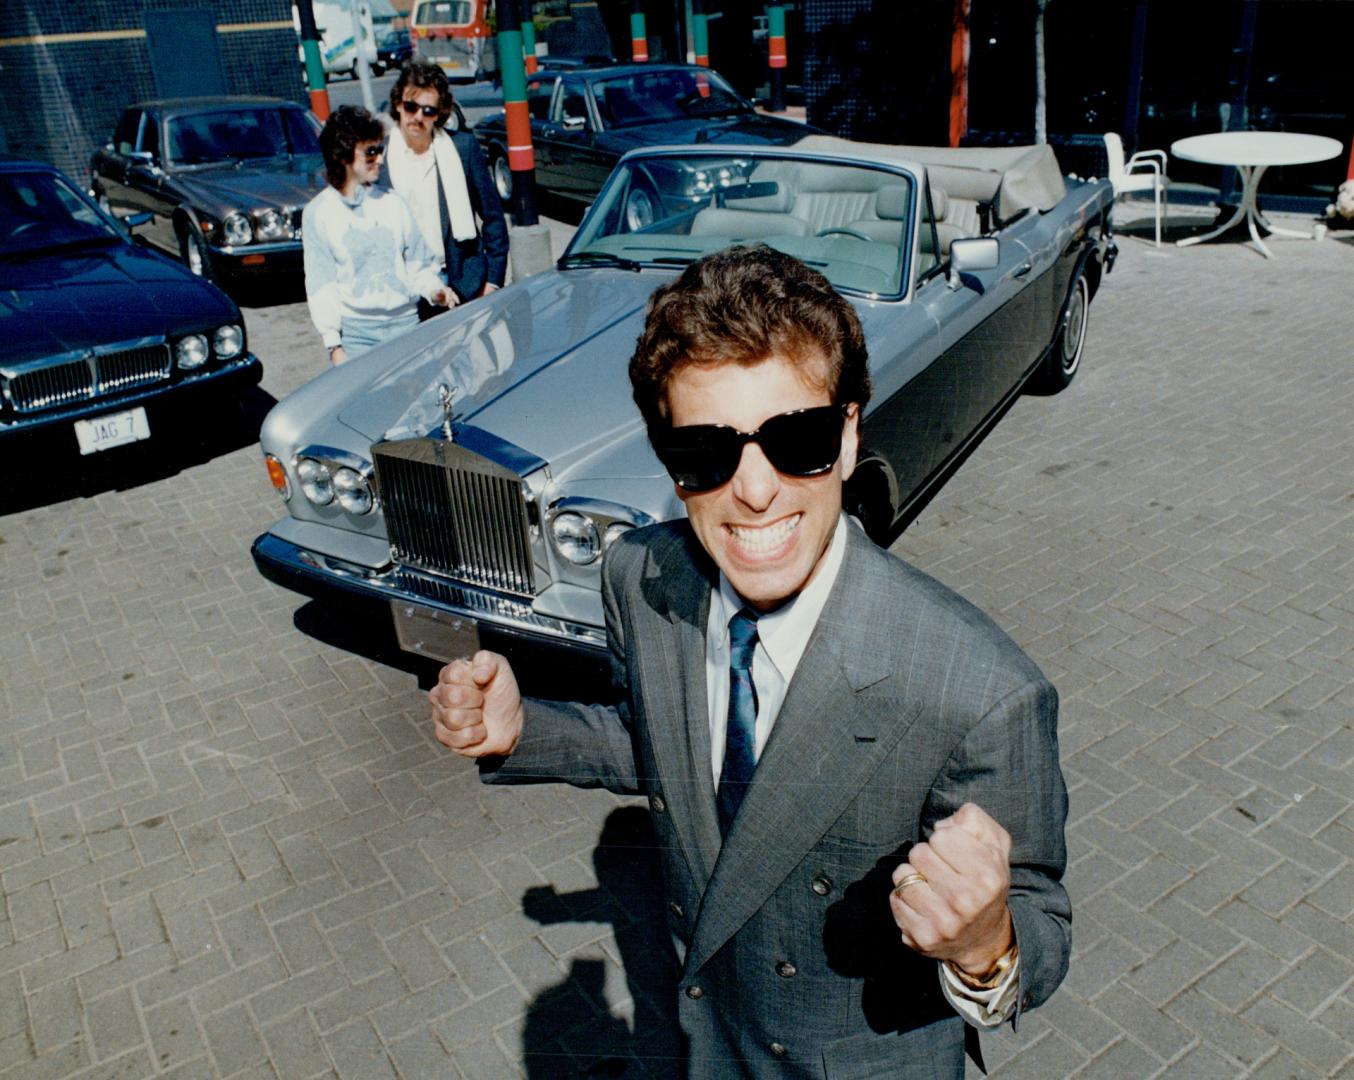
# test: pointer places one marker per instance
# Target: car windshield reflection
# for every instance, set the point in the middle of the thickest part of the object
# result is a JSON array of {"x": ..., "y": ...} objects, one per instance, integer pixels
[
  {"x": 238, "y": 135},
  {"x": 851, "y": 222},
  {"x": 647, "y": 97},
  {"x": 40, "y": 213}
]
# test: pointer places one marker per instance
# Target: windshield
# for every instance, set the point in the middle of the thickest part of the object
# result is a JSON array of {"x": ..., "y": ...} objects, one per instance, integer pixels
[
  {"x": 852, "y": 223},
  {"x": 239, "y": 134},
  {"x": 443, "y": 13},
  {"x": 40, "y": 212},
  {"x": 647, "y": 96}
]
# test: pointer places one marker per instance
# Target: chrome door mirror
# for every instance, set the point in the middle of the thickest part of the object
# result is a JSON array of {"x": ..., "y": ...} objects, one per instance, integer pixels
[{"x": 975, "y": 253}]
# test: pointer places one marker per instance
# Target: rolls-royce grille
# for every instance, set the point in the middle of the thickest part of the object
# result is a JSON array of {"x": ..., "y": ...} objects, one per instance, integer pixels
[
  {"x": 83, "y": 379},
  {"x": 453, "y": 512}
]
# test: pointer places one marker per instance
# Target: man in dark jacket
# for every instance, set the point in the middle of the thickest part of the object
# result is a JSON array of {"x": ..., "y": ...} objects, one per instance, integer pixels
[{"x": 445, "y": 179}]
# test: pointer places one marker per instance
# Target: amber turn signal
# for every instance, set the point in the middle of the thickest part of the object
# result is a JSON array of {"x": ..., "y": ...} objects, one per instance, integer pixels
[{"x": 277, "y": 475}]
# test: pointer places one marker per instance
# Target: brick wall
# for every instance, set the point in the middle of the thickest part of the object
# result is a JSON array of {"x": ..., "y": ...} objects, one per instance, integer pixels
[{"x": 68, "y": 70}]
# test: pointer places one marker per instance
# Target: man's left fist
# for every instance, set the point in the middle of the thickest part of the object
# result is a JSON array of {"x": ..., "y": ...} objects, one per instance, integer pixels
[{"x": 949, "y": 898}]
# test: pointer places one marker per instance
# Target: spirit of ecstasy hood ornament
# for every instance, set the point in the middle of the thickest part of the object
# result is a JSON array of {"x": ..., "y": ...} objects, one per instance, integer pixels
[{"x": 446, "y": 398}]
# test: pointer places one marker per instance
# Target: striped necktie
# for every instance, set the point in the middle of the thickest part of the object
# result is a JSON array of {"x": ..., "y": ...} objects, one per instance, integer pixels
[{"x": 740, "y": 742}]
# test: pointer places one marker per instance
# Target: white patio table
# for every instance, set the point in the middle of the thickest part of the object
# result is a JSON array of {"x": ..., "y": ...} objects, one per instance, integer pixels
[{"x": 1251, "y": 153}]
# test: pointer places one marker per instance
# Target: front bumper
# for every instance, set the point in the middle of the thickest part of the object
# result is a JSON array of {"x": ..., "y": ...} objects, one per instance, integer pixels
[
  {"x": 257, "y": 260},
  {"x": 172, "y": 398},
  {"x": 325, "y": 577}
]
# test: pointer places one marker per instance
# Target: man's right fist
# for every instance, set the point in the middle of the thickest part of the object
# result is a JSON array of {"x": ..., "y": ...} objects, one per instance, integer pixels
[{"x": 477, "y": 709}]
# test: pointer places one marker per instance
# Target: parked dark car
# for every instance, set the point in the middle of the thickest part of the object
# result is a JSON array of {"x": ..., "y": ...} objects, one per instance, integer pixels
[
  {"x": 471, "y": 474},
  {"x": 393, "y": 50},
  {"x": 583, "y": 121},
  {"x": 224, "y": 179},
  {"x": 103, "y": 338}
]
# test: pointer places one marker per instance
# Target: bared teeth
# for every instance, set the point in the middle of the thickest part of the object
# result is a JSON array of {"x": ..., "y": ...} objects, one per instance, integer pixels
[{"x": 766, "y": 538}]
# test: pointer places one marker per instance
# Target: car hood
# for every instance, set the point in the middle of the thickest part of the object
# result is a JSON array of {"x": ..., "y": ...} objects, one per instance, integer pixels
[
  {"x": 749, "y": 128},
  {"x": 99, "y": 295},
  {"x": 542, "y": 365},
  {"x": 277, "y": 183}
]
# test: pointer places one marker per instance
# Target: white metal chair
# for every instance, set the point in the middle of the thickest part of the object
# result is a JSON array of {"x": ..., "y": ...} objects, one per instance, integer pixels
[{"x": 1144, "y": 171}]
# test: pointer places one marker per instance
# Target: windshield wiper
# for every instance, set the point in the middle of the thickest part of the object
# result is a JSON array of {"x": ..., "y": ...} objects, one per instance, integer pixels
[{"x": 597, "y": 258}]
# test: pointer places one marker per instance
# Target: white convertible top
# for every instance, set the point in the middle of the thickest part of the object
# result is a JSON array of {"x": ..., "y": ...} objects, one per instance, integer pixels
[{"x": 1014, "y": 178}]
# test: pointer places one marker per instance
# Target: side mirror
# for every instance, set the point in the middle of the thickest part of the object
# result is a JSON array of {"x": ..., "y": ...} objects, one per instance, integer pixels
[
  {"x": 573, "y": 123},
  {"x": 134, "y": 221},
  {"x": 144, "y": 156},
  {"x": 975, "y": 253}
]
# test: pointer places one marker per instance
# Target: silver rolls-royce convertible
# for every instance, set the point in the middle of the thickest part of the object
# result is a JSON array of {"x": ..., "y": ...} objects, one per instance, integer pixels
[{"x": 472, "y": 472}]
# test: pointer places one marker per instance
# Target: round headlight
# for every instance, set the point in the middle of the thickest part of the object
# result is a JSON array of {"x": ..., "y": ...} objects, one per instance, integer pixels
[
  {"x": 354, "y": 494},
  {"x": 614, "y": 532},
  {"x": 725, "y": 177},
  {"x": 316, "y": 483},
  {"x": 576, "y": 538},
  {"x": 237, "y": 230},
  {"x": 700, "y": 183},
  {"x": 191, "y": 352},
  {"x": 271, "y": 226},
  {"x": 227, "y": 342}
]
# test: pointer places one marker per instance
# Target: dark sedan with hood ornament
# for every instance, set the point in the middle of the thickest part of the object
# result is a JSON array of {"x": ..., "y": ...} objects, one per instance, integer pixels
[
  {"x": 99, "y": 332},
  {"x": 584, "y": 120},
  {"x": 224, "y": 179}
]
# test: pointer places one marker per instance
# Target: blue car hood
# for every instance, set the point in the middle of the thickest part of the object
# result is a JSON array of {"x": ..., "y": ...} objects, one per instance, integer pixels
[{"x": 59, "y": 303}]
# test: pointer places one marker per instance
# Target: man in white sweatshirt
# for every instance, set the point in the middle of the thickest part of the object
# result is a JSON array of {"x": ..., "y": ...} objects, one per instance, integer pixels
[{"x": 366, "y": 261}]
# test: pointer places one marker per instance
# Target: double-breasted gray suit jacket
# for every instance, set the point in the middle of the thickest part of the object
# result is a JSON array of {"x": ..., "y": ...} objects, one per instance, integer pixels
[{"x": 907, "y": 703}]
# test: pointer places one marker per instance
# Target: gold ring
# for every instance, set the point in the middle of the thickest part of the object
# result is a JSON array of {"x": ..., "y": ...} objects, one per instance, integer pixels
[{"x": 913, "y": 877}]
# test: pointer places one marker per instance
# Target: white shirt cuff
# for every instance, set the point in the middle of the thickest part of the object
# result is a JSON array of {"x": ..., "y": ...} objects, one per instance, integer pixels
[{"x": 982, "y": 1008}]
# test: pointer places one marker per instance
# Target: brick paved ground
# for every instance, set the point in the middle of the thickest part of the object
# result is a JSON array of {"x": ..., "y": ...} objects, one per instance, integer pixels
[{"x": 230, "y": 849}]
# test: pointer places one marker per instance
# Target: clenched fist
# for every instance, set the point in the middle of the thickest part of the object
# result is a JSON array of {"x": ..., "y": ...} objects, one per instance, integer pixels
[
  {"x": 949, "y": 898},
  {"x": 477, "y": 709}
]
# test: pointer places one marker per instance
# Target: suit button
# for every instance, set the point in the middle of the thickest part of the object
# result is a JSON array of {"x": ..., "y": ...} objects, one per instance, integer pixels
[
  {"x": 777, "y": 1049},
  {"x": 677, "y": 909},
  {"x": 695, "y": 993},
  {"x": 786, "y": 970},
  {"x": 657, "y": 804},
  {"x": 821, "y": 885}
]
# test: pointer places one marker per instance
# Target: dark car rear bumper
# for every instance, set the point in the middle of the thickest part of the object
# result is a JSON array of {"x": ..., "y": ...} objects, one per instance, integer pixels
[
  {"x": 163, "y": 401},
  {"x": 257, "y": 260}
]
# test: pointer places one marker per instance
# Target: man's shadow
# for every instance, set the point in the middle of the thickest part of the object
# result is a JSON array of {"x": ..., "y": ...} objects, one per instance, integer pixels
[{"x": 569, "y": 1031}]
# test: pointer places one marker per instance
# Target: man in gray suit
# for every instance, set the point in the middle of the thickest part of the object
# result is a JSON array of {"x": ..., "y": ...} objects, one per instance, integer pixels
[{"x": 853, "y": 773}]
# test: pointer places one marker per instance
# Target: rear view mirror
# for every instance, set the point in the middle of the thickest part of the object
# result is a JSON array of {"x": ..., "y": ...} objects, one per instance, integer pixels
[{"x": 975, "y": 253}]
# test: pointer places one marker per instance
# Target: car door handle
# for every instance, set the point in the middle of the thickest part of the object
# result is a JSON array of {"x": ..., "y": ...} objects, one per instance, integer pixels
[{"x": 1023, "y": 269}]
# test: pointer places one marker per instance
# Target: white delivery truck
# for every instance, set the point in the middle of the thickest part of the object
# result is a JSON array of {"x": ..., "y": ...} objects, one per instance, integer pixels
[{"x": 338, "y": 44}]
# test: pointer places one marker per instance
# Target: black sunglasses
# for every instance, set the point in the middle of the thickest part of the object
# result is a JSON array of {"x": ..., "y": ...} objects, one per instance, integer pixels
[
  {"x": 412, "y": 107},
  {"x": 702, "y": 457},
  {"x": 373, "y": 152}
]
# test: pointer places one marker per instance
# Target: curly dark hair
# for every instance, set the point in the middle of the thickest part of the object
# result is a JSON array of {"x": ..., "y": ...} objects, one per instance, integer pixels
[
  {"x": 345, "y": 128},
  {"x": 740, "y": 306},
  {"x": 420, "y": 75}
]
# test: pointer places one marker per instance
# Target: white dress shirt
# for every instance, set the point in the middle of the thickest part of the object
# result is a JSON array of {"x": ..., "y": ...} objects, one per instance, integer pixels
[{"x": 782, "y": 636}]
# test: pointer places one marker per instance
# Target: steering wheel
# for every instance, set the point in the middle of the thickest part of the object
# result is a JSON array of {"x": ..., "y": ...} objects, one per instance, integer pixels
[{"x": 855, "y": 234}]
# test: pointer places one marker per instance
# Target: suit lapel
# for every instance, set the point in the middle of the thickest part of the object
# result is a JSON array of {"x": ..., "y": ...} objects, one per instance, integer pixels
[
  {"x": 676, "y": 716},
  {"x": 834, "y": 729}
]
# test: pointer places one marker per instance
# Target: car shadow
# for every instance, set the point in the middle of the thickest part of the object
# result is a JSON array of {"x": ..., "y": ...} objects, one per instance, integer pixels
[
  {"x": 364, "y": 627},
  {"x": 285, "y": 289},
  {"x": 176, "y": 445}
]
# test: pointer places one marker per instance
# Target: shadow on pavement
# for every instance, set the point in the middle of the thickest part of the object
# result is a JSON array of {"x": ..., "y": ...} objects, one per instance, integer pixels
[
  {"x": 569, "y": 1030},
  {"x": 288, "y": 289},
  {"x": 57, "y": 472}
]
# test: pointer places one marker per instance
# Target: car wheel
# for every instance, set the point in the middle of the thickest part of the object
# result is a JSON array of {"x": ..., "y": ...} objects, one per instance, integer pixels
[
  {"x": 641, "y": 206},
  {"x": 871, "y": 497},
  {"x": 194, "y": 251},
  {"x": 1064, "y": 359},
  {"x": 502, "y": 175}
]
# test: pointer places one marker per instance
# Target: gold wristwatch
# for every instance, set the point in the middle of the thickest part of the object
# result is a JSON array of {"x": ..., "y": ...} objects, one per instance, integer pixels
[{"x": 989, "y": 981}]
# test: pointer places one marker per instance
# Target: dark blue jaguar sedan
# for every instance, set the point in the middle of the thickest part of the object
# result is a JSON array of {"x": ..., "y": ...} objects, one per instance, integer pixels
[{"x": 101, "y": 340}]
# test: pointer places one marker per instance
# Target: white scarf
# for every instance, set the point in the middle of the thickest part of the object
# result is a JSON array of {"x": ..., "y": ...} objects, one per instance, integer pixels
[{"x": 405, "y": 167}]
